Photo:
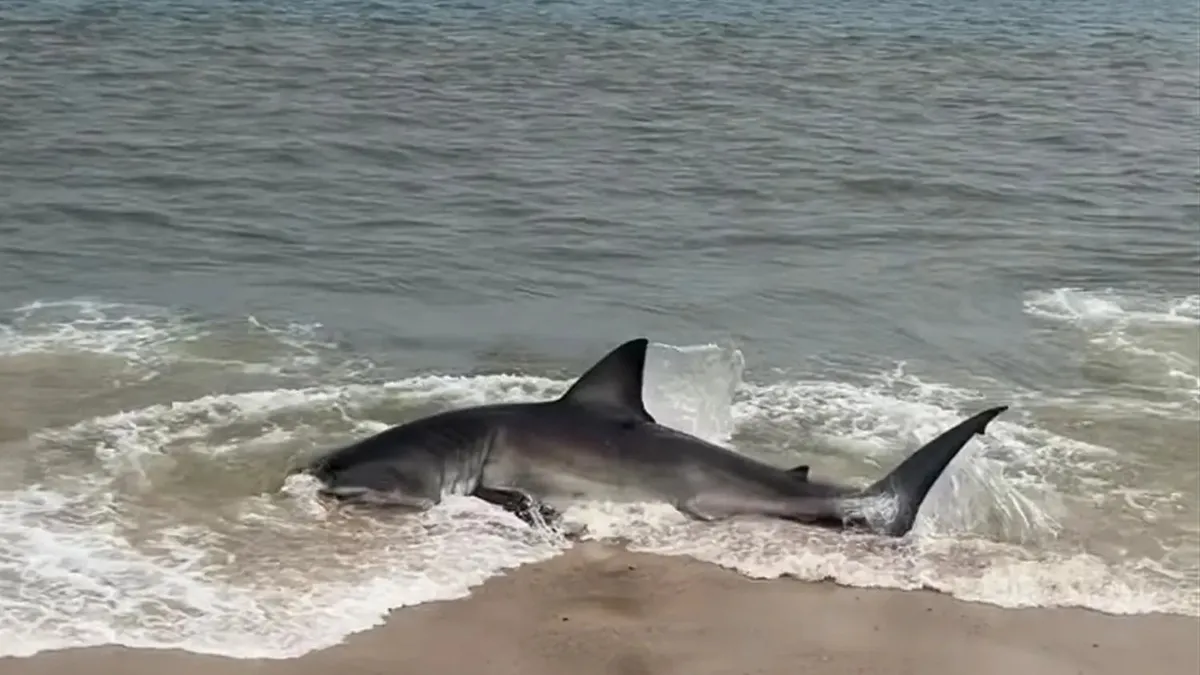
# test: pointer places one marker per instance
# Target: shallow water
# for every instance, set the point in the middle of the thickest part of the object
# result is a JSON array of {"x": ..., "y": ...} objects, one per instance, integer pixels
[{"x": 236, "y": 234}]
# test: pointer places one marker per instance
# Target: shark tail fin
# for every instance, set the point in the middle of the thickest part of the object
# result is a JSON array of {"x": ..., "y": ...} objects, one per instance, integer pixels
[{"x": 910, "y": 482}]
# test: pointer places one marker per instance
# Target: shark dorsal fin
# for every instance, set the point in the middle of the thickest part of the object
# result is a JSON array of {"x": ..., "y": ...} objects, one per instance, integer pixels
[
  {"x": 800, "y": 472},
  {"x": 614, "y": 383}
]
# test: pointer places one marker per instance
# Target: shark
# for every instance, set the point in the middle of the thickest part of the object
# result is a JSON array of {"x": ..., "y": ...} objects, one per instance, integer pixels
[{"x": 598, "y": 442}]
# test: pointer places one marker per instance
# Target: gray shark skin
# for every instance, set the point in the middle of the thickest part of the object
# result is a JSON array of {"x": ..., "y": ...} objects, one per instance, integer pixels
[{"x": 598, "y": 442}]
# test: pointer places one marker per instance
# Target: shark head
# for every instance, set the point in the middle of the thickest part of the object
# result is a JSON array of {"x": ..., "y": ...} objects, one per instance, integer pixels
[{"x": 416, "y": 463}]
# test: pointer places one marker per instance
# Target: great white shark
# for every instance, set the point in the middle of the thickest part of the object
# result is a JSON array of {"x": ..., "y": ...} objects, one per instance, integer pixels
[{"x": 597, "y": 442}]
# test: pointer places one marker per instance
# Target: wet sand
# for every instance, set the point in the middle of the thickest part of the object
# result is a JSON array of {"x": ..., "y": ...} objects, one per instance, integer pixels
[{"x": 603, "y": 610}]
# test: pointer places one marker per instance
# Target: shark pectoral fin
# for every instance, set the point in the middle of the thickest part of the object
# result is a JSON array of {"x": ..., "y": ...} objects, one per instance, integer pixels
[
  {"x": 799, "y": 472},
  {"x": 614, "y": 383},
  {"x": 908, "y": 484},
  {"x": 528, "y": 509}
]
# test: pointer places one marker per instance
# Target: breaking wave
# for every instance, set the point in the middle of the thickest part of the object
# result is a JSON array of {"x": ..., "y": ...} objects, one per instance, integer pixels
[{"x": 153, "y": 513}]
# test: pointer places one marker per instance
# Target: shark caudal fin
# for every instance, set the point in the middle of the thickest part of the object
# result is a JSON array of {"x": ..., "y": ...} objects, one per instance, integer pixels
[{"x": 910, "y": 482}]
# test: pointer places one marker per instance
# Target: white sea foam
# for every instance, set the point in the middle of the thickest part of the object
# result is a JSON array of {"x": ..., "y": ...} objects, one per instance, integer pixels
[
  {"x": 148, "y": 339},
  {"x": 1149, "y": 341},
  {"x": 1109, "y": 306},
  {"x": 156, "y": 527}
]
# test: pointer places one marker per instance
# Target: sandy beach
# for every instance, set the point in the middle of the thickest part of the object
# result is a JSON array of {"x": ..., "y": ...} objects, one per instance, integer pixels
[{"x": 600, "y": 609}]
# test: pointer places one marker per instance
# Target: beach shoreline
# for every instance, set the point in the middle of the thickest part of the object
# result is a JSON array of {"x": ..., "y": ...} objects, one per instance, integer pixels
[{"x": 599, "y": 609}]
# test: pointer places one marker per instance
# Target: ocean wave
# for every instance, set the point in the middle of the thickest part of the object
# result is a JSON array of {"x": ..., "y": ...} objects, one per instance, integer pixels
[{"x": 171, "y": 525}]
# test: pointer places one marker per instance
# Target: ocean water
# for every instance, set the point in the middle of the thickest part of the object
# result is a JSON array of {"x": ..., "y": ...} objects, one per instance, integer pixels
[{"x": 236, "y": 234}]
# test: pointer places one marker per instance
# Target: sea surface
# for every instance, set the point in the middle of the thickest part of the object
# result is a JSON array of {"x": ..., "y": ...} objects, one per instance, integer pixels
[{"x": 236, "y": 234}]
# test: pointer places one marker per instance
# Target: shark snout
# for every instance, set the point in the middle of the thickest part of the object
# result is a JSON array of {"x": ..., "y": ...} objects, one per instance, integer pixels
[
  {"x": 370, "y": 483},
  {"x": 332, "y": 482},
  {"x": 331, "y": 486}
]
